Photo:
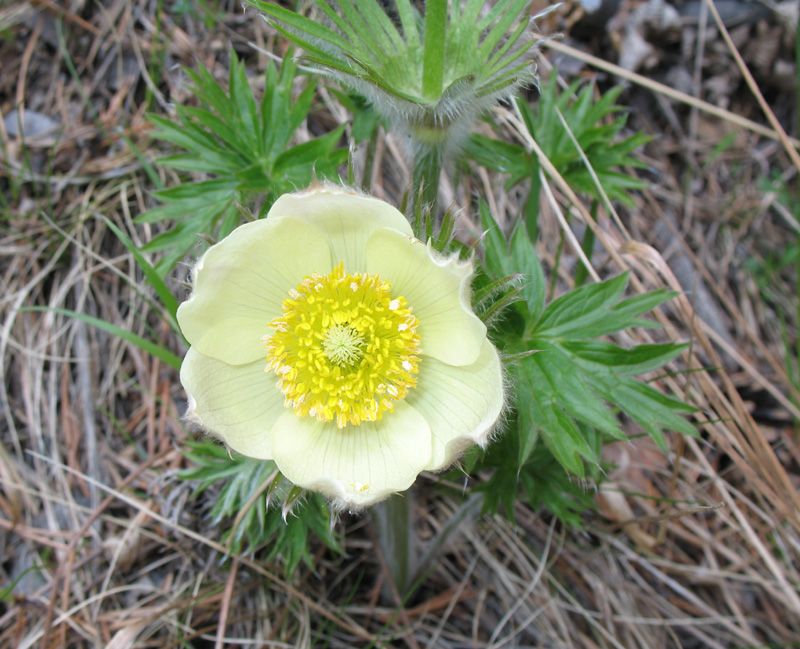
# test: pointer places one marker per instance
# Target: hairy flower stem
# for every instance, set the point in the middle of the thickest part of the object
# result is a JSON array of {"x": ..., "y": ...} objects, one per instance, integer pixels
[
  {"x": 369, "y": 162},
  {"x": 393, "y": 520},
  {"x": 425, "y": 186}
]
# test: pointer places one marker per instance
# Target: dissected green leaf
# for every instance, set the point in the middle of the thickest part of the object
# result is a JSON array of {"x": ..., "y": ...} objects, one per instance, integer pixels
[
  {"x": 260, "y": 527},
  {"x": 308, "y": 153},
  {"x": 493, "y": 243},
  {"x": 517, "y": 258},
  {"x": 541, "y": 479},
  {"x": 593, "y": 310},
  {"x": 599, "y": 140},
  {"x": 582, "y": 311},
  {"x": 568, "y": 385},
  {"x": 526, "y": 261},
  {"x": 244, "y": 147},
  {"x": 638, "y": 360},
  {"x": 552, "y": 395},
  {"x": 652, "y": 410}
]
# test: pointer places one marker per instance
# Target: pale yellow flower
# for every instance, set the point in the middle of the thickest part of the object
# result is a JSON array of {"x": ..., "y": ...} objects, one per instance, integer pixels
[{"x": 328, "y": 339}]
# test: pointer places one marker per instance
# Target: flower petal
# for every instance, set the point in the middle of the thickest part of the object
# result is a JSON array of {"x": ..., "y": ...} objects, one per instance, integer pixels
[
  {"x": 437, "y": 289},
  {"x": 344, "y": 218},
  {"x": 461, "y": 404},
  {"x": 239, "y": 404},
  {"x": 241, "y": 282},
  {"x": 356, "y": 465}
]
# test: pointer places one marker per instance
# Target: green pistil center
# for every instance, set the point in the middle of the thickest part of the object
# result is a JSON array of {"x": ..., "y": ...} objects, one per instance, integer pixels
[{"x": 343, "y": 345}]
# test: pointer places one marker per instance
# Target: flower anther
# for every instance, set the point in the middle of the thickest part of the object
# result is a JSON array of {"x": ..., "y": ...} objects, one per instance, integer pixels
[{"x": 344, "y": 348}]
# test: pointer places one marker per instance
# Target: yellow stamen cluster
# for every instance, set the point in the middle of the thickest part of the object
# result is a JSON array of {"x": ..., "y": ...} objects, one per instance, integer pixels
[{"x": 344, "y": 349}]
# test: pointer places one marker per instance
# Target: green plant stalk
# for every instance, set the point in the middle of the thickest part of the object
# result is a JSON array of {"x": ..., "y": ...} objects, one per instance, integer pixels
[
  {"x": 587, "y": 245},
  {"x": 797, "y": 207},
  {"x": 532, "y": 203},
  {"x": 468, "y": 511},
  {"x": 425, "y": 184},
  {"x": 551, "y": 290},
  {"x": 369, "y": 161},
  {"x": 433, "y": 54},
  {"x": 393, "y": 520}
]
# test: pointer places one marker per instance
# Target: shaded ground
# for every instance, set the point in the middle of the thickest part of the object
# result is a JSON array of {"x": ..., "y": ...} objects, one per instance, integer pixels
[{"x": 103, "y": 545}]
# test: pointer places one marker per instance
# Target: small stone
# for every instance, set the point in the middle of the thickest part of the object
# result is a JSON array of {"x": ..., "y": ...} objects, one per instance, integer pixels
[{"x": 33, "y": 124}]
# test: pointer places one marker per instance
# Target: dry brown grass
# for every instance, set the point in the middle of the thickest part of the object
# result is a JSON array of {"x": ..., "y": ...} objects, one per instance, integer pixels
[{"x": 101, "y": 545}]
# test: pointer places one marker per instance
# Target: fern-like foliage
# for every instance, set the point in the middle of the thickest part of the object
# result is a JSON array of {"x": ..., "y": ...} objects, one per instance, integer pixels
[
  {"x": 569, "y": 386},
  {"x": 598, "y": 139},
  {"x": 241, "y": 506},
  {"x": 243, "y": 151}
]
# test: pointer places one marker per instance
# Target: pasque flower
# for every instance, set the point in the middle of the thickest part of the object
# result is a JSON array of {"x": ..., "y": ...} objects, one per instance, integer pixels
[{"x": 328, "y": 339}]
